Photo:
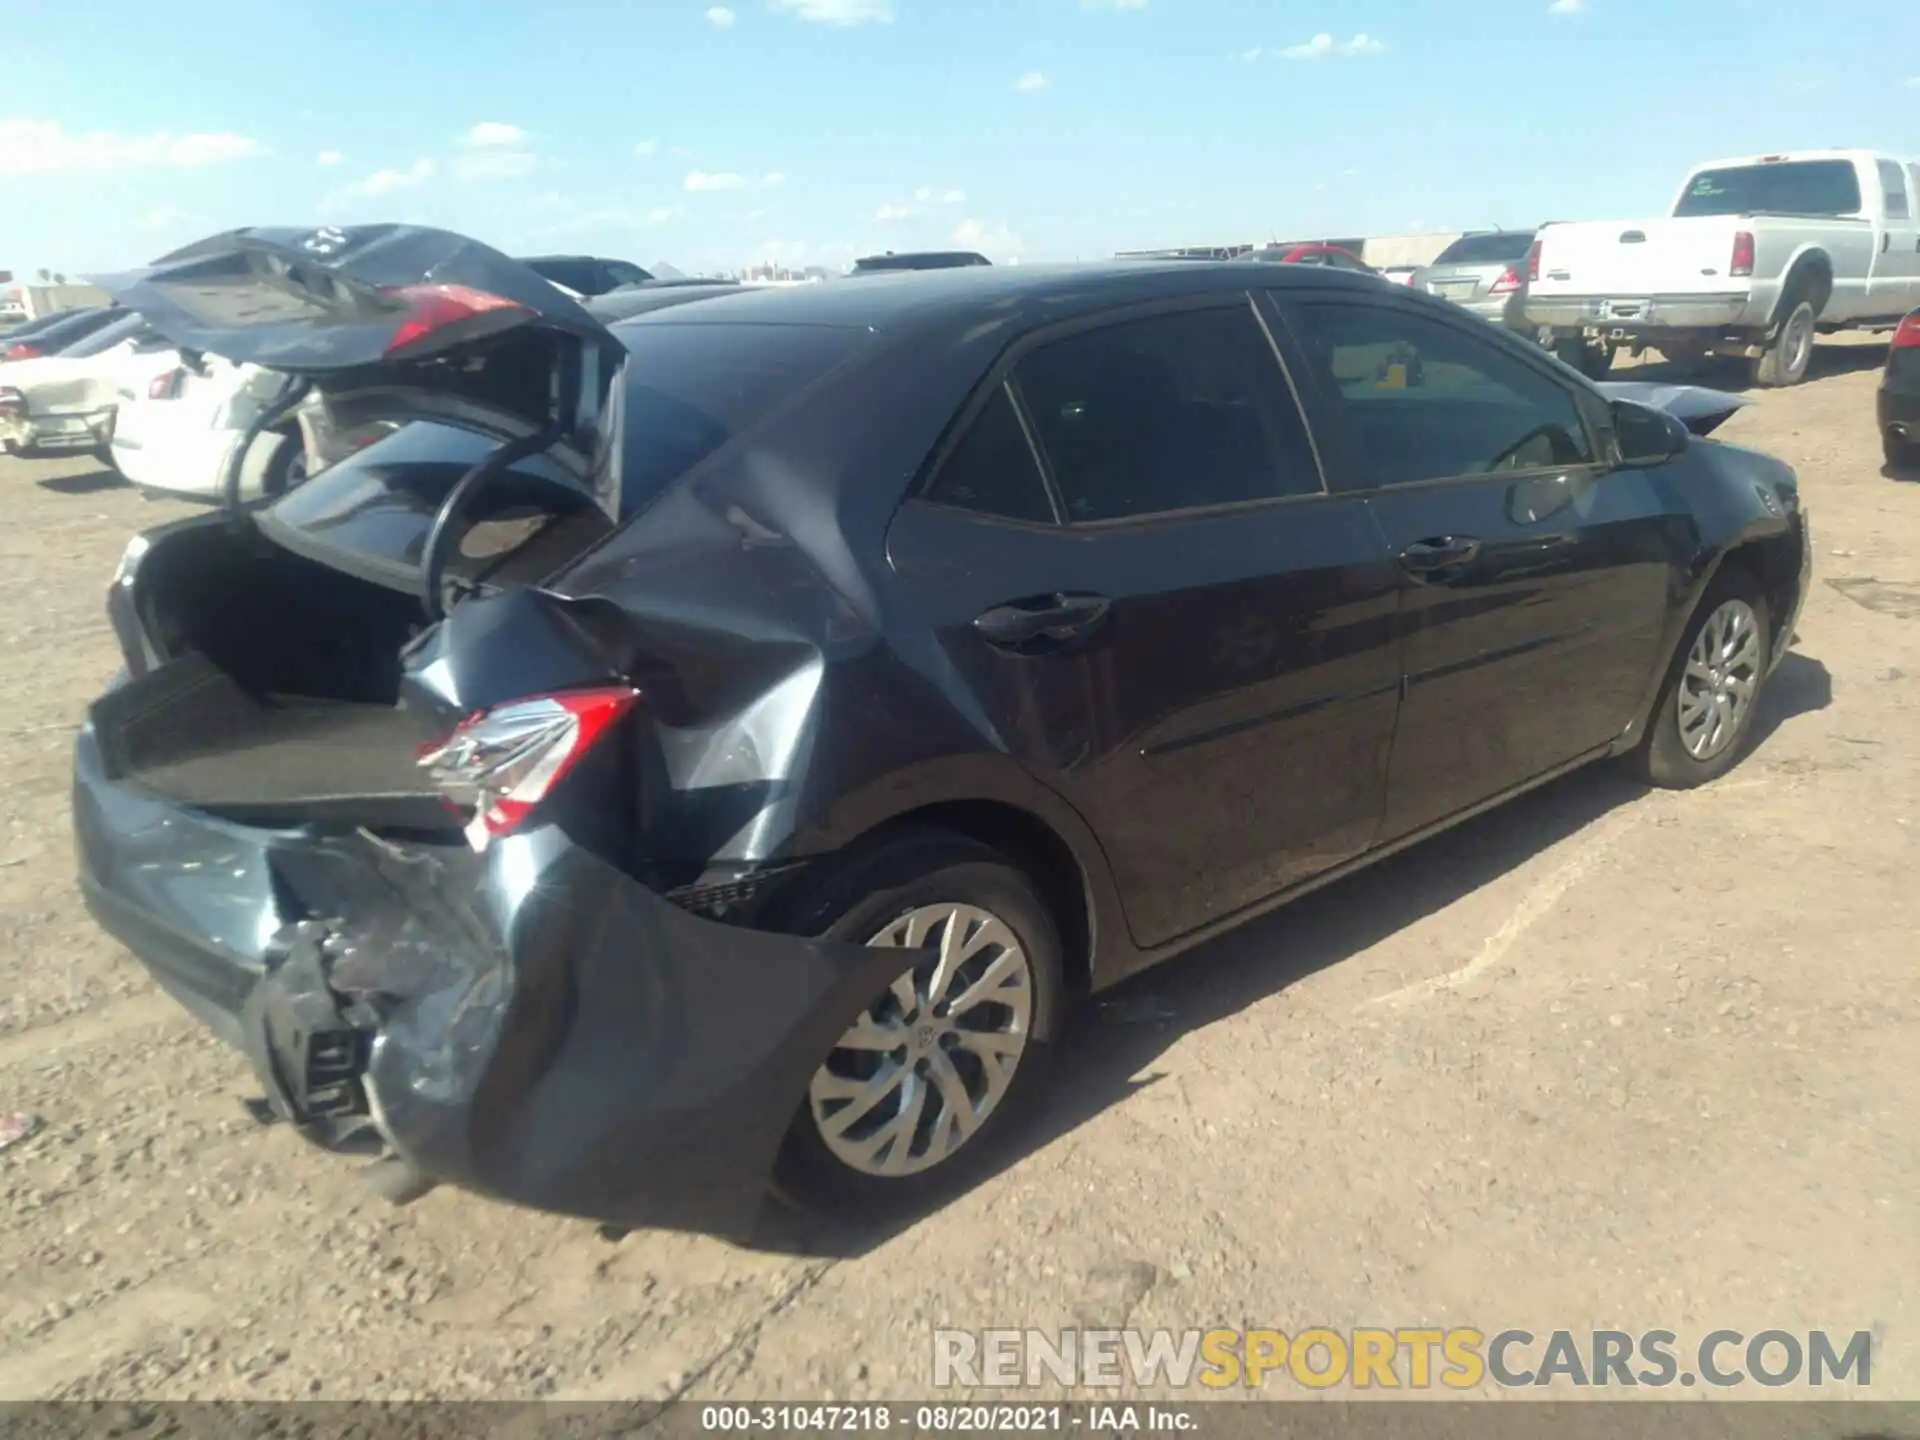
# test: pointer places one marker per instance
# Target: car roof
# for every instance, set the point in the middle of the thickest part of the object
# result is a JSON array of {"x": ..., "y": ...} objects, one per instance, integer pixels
[{"x": 904, "y": 301}]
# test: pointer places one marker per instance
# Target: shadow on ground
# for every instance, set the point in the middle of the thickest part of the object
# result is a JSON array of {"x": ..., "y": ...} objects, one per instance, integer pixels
[
  {"x": 1736, "y": 376},
  {"x": 88, "y": 484},
  {"x": 1119, "y": 1034}
]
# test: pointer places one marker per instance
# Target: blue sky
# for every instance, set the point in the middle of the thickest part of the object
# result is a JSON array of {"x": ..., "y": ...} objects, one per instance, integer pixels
[{"x": 808, "y": 131}]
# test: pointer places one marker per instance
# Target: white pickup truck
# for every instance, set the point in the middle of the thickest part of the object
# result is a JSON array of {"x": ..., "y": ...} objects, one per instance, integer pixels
[{"x": 1759, "y": 255}]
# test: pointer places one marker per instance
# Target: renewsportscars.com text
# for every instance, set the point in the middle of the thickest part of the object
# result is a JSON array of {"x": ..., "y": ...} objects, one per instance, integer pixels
[{"x": 1322, "y": 1358}]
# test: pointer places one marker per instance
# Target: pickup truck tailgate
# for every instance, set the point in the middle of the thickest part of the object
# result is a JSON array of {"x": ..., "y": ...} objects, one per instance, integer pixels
[{"x": 1638, "y": 257}]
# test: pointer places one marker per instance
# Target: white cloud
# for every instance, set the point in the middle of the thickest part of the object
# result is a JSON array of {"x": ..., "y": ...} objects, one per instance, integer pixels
[
  {"x": 665, "y": 214},
  {"x": 1566, "y": 7},
  {"x": 166, "y": 217},
  {"x": 1254, "y": 54},
  {"x": 1031, "y": 82},
  {"x": 953, "y": 197},
  {"x": 894, "y": 210},
  {"x": 989, "y": 239},
  {"x": 329, "y": 157},
  {"x": 721, "y": 180},
  {"x": 836, "y": 12},
  {"x": 494, "y": 134},
  {"x": 721, "y": 16},
  {"x": 495, "y": 150},
  {"x": 772, "y": 179},
  {"x": 495, "y": 165},
  {"x": 29, "y": 146},
  {"x": 1323, "y": 45},
  {"x": 1113, "y": 4},
  {"x": 1912, "y": 82},
  {"x": 389, "y": 181},
  {"x": 923, "y": 198},
  {"x": 644, "y": 148}
]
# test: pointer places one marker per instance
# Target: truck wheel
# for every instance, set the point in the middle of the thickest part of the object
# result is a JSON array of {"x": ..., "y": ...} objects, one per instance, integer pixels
[
  {"x": 1592, "y": 361},
  {"x": 1787, "y": 358}
]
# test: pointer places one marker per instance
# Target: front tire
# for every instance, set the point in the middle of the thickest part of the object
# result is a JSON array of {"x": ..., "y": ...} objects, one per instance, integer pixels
[
  {"x": 1704, "y": 717},
  {"x": 923, "y": 1096}
]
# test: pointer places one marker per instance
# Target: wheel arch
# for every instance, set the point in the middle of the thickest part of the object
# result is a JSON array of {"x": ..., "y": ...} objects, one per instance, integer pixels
[{"x": 1808, "y": 277}]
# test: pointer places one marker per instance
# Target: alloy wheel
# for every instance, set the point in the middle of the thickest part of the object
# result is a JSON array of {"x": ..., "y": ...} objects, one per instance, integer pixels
[
  {"x": 1721, "y": 678},
  {"x": 923, "y": 1068}
]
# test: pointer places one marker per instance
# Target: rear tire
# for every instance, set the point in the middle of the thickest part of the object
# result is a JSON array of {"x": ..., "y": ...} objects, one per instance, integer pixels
[
  {"x": 1592, "y": 361},
  {"x": 1790, "y": 353},
  {"x": 287, "y": 469},
  {"x": 1704, "y": 718},
  {"x": 1901, "y": 455},
  {"x": 968, "y": 1103}
]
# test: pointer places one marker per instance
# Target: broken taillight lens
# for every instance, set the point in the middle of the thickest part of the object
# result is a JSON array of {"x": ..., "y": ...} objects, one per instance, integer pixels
[
  {"x": 23, "y": 351},
  {"x": 1508, "y": 282},
  {"x": 166, "y": 386},
  {"x": 434, "y": 310},
  {"x": 501, "y": 763},
  {"x": 1907, "y": 337}
]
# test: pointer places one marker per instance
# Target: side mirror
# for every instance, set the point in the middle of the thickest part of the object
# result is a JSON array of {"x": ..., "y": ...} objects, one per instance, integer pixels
[{"x": 1646, "y": 436}]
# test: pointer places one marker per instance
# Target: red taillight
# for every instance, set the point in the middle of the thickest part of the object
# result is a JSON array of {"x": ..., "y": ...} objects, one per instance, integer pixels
[
  {"x": 1907, "y": 337},
  {"x": 166, "y": 386},
  {"x": 23, "y": 351},
  {"x": 432, "y": 309},
  {"x": 1742, "y": 263},
  {"x": 1533, "y": 261},
  {"x": 503, "y": 762},
  {"x": 1508, "y": 282}
]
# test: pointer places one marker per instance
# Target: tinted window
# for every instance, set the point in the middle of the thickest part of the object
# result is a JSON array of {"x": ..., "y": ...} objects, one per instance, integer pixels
[
  {"x": 991, "y": 470},
  {"x": 689, "y": 389},
  {"x": 1170, "y": 413},
  {"x": 1895, "y": 186},
  {"x": 576, "y": 275},
  {"x": 1487, "y": 249},
  {"x": 621, "y": 273},
  {"x": 1427, "y": 399},
  {"x": 1798, "y": 187}
]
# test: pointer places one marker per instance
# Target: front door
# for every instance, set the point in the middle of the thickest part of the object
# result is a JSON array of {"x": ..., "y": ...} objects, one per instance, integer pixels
[
  {"x": 1534, "y": 581},
  {"x": 1133, "y": 565}
]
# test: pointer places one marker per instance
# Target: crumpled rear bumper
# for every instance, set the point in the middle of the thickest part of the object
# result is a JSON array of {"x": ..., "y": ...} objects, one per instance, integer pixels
[{"x": 531, "y": 1024}]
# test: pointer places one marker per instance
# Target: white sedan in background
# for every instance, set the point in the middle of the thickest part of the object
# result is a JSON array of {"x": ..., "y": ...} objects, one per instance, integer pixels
[
  {"x": 64, "y": 404},
  {"x": 181, "y": 423}
]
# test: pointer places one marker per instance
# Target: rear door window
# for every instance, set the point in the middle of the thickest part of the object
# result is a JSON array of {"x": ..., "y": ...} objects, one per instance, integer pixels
[
  {"x": 1175, "y": 412},
  {"x": 1894, "y": 186}
]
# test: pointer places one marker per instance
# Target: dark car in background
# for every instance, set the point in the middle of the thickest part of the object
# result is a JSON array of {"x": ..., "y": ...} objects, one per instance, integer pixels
[
  {"x": 51, "y": 334},
  {"x": 587, "y": 275},
  {"x": 1898, "y": 401},
  {"x": 720, "y": 745},
  {"x": 892, "y": 262},
  {"x": 1486, "y": 275},
  {"x": 634, "y": 300}
]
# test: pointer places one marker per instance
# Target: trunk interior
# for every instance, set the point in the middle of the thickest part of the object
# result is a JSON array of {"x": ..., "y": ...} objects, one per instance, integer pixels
[{"x": 266, "y": 682}]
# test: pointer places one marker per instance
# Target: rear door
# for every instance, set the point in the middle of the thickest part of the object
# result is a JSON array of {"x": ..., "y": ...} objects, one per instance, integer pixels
[
  {"x": 1896, "y": 271},
  {"x": 1534, "y": 581},
  {"x": 1132, "y": 562}
]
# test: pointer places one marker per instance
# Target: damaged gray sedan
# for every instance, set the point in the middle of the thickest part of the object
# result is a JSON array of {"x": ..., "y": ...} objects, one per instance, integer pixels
[{"x": 708, "y": 752}]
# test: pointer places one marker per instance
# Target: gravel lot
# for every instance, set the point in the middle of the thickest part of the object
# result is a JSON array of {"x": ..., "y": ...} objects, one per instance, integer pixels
[{"x": 1604, "y": 1058}]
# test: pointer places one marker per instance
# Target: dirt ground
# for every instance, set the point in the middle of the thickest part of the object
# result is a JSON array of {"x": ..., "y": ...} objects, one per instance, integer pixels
[{"x": 1603, "y": 1058}]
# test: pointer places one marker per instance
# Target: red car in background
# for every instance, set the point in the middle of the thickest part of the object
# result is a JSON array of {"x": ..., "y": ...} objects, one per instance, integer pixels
[{"x": 1312, "y": 254}]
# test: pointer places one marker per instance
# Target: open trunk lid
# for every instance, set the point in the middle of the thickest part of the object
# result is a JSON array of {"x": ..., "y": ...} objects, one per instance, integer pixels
[{"x": 271, "y": 651}]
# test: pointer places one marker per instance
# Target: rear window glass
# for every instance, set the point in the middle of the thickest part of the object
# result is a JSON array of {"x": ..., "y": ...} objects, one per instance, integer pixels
[
  {"x": 1487, "y": 249},
  {"x": 1791, "y": 187},
  {"x": 691, "y": 388}
]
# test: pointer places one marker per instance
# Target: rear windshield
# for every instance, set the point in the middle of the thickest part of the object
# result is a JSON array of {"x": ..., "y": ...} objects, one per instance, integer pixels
[
  {"x": 70, "y": 329},
  {"x": 688, "y": 390},
  {"x": 1487, "y": 249},
  {"x": 1792, "y": 187}
]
